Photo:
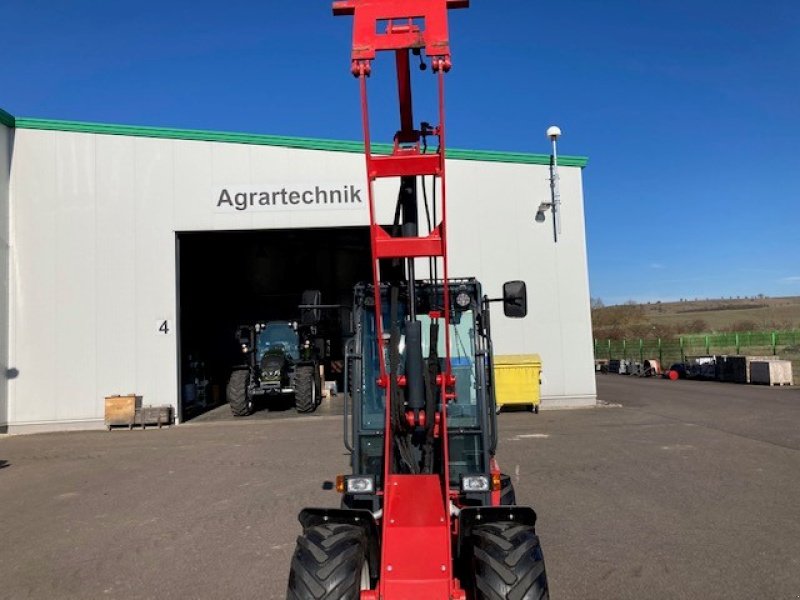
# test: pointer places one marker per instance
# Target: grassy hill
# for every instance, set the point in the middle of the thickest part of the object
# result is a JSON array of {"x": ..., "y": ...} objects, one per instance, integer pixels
[{"x": 757, "y": 314}]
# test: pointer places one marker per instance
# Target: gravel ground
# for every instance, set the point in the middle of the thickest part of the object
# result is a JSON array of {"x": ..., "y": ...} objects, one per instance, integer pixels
[{"x": 688, "y": 490}]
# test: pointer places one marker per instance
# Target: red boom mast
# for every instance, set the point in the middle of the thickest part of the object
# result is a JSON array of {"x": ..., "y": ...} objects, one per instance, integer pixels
[{"x": 416, "y": 526}]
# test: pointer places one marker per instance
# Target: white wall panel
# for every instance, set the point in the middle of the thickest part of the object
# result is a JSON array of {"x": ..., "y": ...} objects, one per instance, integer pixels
[
  {"x": 116, "y": 307},
  {"x": 155, "y": 294},
  {"x": 494, "y": 236},
  {"x": 94, "y": 272},
  {"x": 34, "y": 259},
  {"x": 75, "y": 299},
  {"x": 6, "y": 141}
]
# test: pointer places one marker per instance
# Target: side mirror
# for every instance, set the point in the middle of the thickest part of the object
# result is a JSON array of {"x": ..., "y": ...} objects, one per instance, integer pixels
[{"x": 515, "y": 299}]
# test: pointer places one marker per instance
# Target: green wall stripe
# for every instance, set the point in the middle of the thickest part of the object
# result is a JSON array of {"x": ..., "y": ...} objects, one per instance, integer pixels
[
  {"x": 281, "y": 141},
  {"x": 6, "y": 119}
]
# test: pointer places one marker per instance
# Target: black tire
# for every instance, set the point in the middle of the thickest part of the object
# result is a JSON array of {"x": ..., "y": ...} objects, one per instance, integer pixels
[
  {"x": 508, "y": 563},
  {"x": 305, "y": 389},
  {"x": 508, "y": 497},
  {"x": 327, "y": 564},
  {"x": 238, "y": 397},
  {"x": 310, "y": 316}
]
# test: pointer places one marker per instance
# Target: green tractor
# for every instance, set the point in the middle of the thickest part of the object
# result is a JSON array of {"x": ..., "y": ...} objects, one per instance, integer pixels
[
  {"x": 277, "y": 363},
  {"x": 287, "y": 357}
]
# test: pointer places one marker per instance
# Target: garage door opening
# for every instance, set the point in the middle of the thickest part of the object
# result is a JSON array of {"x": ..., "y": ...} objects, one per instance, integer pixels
[{"x": 233, "y": 278}]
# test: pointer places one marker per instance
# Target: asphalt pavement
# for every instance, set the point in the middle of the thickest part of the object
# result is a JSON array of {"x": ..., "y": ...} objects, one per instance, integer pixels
[{"x": 685, "y": 490}]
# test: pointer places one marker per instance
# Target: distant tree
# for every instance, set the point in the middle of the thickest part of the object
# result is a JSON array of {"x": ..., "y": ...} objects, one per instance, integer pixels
[{"x": 597, "y": 303}]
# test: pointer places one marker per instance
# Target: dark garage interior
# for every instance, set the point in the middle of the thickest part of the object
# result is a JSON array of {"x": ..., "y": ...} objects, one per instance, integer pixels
[{"x": 232, "y": 278}]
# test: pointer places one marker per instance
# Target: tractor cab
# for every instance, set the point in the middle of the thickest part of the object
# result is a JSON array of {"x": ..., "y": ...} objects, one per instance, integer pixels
[
  {"x": 277, "y": 337},
  {"x": 471, "y": 412}
]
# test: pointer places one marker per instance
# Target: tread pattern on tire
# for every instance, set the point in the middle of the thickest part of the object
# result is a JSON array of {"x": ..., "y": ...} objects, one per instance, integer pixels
[
  {"x": 508, "y": 563},
  {"x": 237, "y": 393},
  {"x": 304, "y": 383},
  {"x": 327, "y": 563}
]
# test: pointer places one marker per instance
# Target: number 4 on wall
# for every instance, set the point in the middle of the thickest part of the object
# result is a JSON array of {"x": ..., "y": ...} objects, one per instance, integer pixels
[{"x": 164, "y": 327}]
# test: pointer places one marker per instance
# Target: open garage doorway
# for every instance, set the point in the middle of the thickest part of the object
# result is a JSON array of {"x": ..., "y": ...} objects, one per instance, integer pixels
[{"x": 232, "y": 278}]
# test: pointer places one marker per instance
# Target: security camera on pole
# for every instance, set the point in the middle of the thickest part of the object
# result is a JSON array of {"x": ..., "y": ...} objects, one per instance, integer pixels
[{"x": 553, "y": 133}]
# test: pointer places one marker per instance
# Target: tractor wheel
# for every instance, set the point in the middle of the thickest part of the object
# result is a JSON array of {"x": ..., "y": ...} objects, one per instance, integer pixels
[
  {"x": 305, "y": 389},
  {"x": 329, "y": 563},
  {"x": 508, "y": 562},
  {"x": 508, "y": 496},
  {"x": 238, "y": 397}
]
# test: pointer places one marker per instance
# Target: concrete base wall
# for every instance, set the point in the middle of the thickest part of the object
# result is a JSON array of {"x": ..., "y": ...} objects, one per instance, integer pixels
[
  {"x": 51, "y": 426},
  {"x": 560, "y": 402}
]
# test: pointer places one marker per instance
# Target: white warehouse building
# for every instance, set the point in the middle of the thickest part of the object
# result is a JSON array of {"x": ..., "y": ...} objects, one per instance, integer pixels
[{"x": 129, "y": 252}]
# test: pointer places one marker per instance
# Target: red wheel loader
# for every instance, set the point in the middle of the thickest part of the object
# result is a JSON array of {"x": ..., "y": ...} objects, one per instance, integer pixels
[{"x": 426, "y": 513}]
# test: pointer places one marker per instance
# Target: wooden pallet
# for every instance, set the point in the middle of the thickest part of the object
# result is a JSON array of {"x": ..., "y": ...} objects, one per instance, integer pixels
[
  {"x": 154, "y": 415},
  {"x": 144, "y": 417}
]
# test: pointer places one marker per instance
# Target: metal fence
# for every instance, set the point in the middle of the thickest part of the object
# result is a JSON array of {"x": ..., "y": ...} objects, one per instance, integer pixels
[{"x": 785, "y": 344}]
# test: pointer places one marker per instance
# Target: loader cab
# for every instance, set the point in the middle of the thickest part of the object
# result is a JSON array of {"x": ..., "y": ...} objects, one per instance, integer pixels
[{"x": 470, "y": 416}]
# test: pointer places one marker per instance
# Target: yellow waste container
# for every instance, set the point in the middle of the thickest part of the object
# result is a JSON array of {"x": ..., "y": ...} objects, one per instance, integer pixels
[{"x": 517, "y": 379}]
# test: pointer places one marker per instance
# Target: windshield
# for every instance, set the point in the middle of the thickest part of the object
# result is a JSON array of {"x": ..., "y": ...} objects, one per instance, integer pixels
[
  {"x": 463, "y": 412},
  {"x": 277, "y": 337}
]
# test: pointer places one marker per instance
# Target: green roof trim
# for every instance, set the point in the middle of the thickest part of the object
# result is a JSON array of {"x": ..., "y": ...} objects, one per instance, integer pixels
[
  {"x": 6, "y": 119},
  {"x": 275, "y": 140}
]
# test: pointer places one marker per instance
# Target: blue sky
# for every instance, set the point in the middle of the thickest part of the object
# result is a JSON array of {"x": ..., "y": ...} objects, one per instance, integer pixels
[{"x": 688, "y": 110}]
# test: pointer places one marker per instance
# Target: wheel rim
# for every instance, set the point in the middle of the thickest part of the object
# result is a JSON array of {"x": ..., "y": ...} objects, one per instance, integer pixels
[{"x": 313, "y": 391}]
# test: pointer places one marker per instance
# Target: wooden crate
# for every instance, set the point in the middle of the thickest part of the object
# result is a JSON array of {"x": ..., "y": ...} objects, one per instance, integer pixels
[
  {"x": 153, "y": 415},
  {"x": 121, "y": 410},
  {"x": 771, "y": 372}
]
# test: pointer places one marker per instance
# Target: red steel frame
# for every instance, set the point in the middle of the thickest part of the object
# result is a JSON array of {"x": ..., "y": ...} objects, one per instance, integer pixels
[{"x": 416, "y": 530}]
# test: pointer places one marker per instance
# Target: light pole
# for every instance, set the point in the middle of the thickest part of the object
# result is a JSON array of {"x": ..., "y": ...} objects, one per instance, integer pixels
[
  {"x": 554, "y": 133},
  {"x": 554, "y": 205}
]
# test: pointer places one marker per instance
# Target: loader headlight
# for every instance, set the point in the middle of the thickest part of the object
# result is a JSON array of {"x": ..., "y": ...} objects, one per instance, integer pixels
[
  {"x": 475, "y": 483},
  {"x": 355, "y": 484},
  {"x": 463, "y": 299}
]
